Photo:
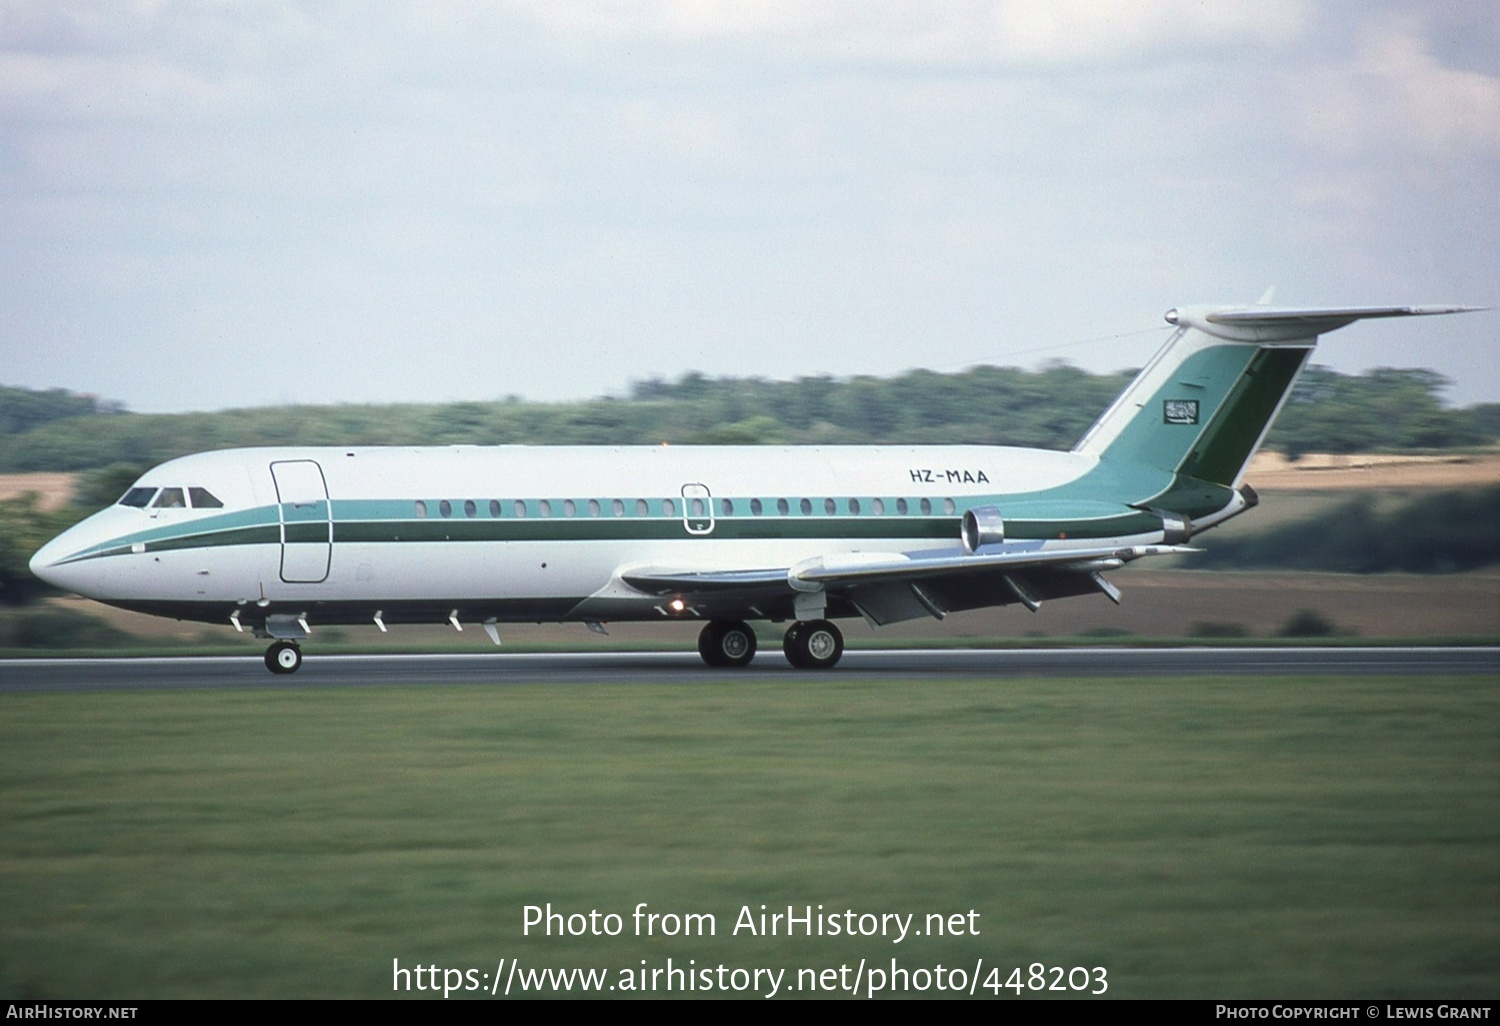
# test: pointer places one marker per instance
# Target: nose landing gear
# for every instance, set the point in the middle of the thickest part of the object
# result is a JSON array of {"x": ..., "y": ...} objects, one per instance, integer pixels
[{"x": 283, "y": 657}]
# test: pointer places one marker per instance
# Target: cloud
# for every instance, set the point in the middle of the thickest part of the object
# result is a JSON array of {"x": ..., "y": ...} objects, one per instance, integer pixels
[
  {"x": 749, "y": 186},
  {"x": 1018, "y": 33},
  {"x": 1394, "y": 97},
  {"x": 97, "y": 88}
]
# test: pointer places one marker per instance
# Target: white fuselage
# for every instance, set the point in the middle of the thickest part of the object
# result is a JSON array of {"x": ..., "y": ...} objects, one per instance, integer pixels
[{"x": 531, "y": 533}]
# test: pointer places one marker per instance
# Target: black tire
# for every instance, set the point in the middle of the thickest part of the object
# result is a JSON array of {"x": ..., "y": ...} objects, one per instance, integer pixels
[
  {"x": 791, "y": 645},
  {"x": 283, "y": 657},
  {"x": 813, "y": 645},
  {"x": 726, "y": 643}
]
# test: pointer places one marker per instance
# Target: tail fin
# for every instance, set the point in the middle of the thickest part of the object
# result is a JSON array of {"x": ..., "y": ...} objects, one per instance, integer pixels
[{"x": 1205, "y": 402}]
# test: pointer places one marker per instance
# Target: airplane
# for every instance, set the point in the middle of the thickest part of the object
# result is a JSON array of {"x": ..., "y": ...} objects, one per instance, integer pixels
[{"x": 278, "y": 541}]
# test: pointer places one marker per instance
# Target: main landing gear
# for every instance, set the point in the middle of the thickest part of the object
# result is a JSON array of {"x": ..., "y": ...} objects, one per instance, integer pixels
[
  {"x": 283, "y": 657},
  {"x": 727, "y": 643},
  {"x": 808, "y": 645},
  {"x": 813, "y": 645}
]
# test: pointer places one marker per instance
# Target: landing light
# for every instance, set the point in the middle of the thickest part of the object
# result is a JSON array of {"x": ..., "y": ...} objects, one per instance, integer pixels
[{"x": 677, "y": 605}]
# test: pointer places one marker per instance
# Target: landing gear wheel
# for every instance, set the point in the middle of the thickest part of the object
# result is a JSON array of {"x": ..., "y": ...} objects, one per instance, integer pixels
[
  {"x": 726, "y": 643},
  {"x": 813, "y": 645},
  {"x": 283, "y": 657}
]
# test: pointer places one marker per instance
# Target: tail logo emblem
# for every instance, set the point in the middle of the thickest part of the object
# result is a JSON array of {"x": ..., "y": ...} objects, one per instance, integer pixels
[{"x": 1179, "y": 411}]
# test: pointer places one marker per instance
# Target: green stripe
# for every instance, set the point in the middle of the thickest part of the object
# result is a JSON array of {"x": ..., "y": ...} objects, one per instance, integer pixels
[
  {"x": 599, "y": 529},
  {"x": 1224, "y": 446},
  {"x": 214, "y": 539},
  {"x": 315, "y": 532}
]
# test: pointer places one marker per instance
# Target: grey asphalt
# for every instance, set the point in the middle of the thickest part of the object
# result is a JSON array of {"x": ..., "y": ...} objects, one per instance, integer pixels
[{"x": 29, "y": 675}]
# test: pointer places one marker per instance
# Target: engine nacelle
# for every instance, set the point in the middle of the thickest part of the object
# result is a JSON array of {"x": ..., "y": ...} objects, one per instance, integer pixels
[{"x": 982, "y": 526}]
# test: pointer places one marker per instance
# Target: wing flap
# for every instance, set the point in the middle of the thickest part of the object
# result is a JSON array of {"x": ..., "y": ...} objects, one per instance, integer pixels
[
  {"x": 662, "y": 581},
  {"x": 836, "y": 572},
  {"x": 920, "y": 567}
]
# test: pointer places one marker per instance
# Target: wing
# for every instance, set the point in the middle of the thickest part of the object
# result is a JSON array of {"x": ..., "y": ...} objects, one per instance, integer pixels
[{"x": 890, "y": 587}]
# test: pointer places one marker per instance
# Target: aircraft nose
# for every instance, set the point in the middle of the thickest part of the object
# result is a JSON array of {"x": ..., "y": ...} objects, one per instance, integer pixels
[
  {"x": 69, "y": 561},
  {"x": 56, "y": 562},
  {"x": 43, "y": 565}
]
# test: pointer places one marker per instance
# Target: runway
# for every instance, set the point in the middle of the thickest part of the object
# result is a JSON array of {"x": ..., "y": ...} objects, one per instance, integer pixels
[{"x": 595, "y": 668}]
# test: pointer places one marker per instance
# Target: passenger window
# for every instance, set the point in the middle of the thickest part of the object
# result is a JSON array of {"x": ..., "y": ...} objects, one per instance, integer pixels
[
  {"x": 139, "y": 498},
  {"x": 641, "y": 509},
  {"x": 806, "y": 507},
  {"x": 204, "y": 499},
  {"x": 668, "y": 508},
  {"x": 445, "y": 508},
  {"x": 617, "y": 507},
  {"x": 783, "y": 507},
  {"x": 544, "y": 508},
  {"x": 469, "y": 508},
  {"x": 170, "y": 498},
  {"x": 854, "y": 506},
  {"x": 494, "y": 507},
  {"x": 756, "y": 508},
  {"x": 830, "y": 507},
  {"x": 593, "y": 507},
  {"x": 901, "y": 507},
  {"x": 926, "y": 507},
  {"x": 569, "y": 508},
  {"x": 877, "y": 506},
  {"x": 420, "y": 508},
  {"x": 949, "y": 507},
  {"x": 520, "y": 508},
  {"x": 726, "y": 507}
]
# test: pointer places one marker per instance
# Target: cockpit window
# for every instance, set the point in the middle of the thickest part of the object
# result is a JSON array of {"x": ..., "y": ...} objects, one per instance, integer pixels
[
  {"x": 170, "y": 498},
  {"x": 137, "y": 497},
  {"x": 204, "y": 499}
]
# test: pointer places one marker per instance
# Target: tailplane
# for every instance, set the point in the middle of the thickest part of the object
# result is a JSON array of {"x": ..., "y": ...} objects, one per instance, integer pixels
[{"x": 1205, "y": 402}]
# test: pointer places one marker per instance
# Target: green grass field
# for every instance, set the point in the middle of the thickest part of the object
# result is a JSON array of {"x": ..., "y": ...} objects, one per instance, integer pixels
[{"x": 1216, "y": 837}]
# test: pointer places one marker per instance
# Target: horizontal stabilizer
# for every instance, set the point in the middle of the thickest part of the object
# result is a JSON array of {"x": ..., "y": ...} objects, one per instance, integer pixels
[{"x": 1269, "y": 324}]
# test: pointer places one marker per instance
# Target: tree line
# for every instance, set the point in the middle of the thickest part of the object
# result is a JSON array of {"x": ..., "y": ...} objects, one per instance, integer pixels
[
  {"x": 1384, "y": 410},
  {"x": 1051, "y": 407},
  {"x": 1447, "y": 531}
]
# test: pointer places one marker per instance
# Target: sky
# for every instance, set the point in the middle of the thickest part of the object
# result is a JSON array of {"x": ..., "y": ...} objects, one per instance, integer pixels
[{"x": 207, "y": 205}]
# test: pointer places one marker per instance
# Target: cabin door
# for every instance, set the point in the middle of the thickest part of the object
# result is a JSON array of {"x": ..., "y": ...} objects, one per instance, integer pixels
[
  {"x": 697, "y": 509},
  {"x": 306, "y": 521}
]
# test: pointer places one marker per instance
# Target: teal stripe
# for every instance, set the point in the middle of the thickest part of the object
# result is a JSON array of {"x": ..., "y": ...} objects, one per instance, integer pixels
[
  {"x": 1204, "y": 378},
  {"x": 163, "y": 536},
  {"x": 1069, "y": 510},
  {"x": 827, "y": 528}
]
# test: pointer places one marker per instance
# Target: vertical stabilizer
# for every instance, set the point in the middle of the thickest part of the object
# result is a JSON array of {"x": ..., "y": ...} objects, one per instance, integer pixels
[{"x": 1205, "y": 402}]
